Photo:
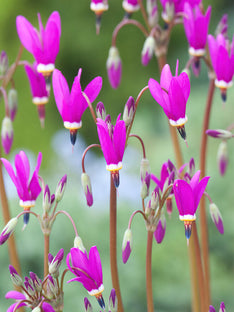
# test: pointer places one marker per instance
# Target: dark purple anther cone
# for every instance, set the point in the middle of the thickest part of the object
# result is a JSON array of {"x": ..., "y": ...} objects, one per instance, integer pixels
[
  {"x": 224, "y": 95},
  {"x": 188, "y": 230},
  {"x": 101, "y": 302},
  {"x": 73, "y": 134},
  {"x": 115, "y": 177},
  {"x": 26, "y": 218},
  {"x": 182, "y": 132}
]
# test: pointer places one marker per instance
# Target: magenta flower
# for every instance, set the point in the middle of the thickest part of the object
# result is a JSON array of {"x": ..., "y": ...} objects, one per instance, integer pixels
[
  {"x": 127, "y": 245},
  {"x": 114, "y": 67},
  {"x": 40, "y": 95},
  {"x": 159, "y": 233},
  {"x": 27, "y": 189},
  {"x": 112, "y": 140},
  {"x": 42, "y": 43},
  {"x": 71, "y": 105},
  {"x": 163, "y": 176},
  {"x": 188, "y": 196},
  {"x": 222, "y": 58},
  {"x": 88, "y": 271},
  {"x": 196, "y": 28},
  {"x": 172, "y": 94}
]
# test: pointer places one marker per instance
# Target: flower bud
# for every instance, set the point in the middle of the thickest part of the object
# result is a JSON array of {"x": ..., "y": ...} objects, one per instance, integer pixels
[
  {"x": 154, "y": 201},
  {"x": 7, "y": 134},
  {"x": 113, "y": 303},
  {"x": 216, "y": 217},
  {"x": 152, "y": 10},
  {"x": 60, "y": 188},
  {"x": 169, "y": 205},
  {"x": 129, "y": 110},
  {"x": 191, "y": 167},
  {"x": 12, "y": 103},
  {"x": 169, "y": 12},
  {"x": 144, "y": 168},
  {"x": 145, "y": 187},
  {"x": 219, "y": 133},
  {"x": 46, "y": 199},
  {"x": 16, "y": 279},
  {"x": 36, "y": 281},
  {"x": 222, "y": 27},
  {"x": 56, "y": 262},
  {"x": 87, "y": 304},
  {"x": 222, "y": 307},
  {"x": 79, "y": 244},
  {"x": 29, "y": 287},
  {"x": 4, "y": 64},
  {"x": 127, "y": 245},
  {"x": 148, "y": 50},
  {"x": 211, "y": 309},
  {"x": 222, "y": 157},
  {"x": 87, "y": 188},
  {"x": 114, "y": 67},
  {"x": 37, "y": 309},
  {"x": 8, "y": 230},
  {"x": 50, "y": 258},
  {"x": 159, "y": 233},
  {"x": 100, "y": 111},
  {"x": 52, "y": 286}
]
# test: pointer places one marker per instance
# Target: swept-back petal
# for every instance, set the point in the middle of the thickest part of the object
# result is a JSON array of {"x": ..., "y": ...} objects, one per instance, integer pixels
[
  {"x": 34, "y": 186},
  {"x": 10, "y": 170},
  {"x": 13, "y": 294},
  {"x": 156, "y": 92},
  {"x": 184, "y": 197},
  {"x": 79, "y": 259},
  {"x": 51, "y": 43},
  {"x": 213, "y": 49},
  {"x": 55, "y": 18},
  {"x": 195, "y": 179},
  {"x": 26, "y": 32},
  {"x": 47, "y": 307},
  {"x": 95, "y": 265},
  {"x": 119, "y": 139},
  {"x": 199, "y": 190},
  {"x": 166, "y": 76},
  {"x": 93, "y": 88},
  {"x": 61, "y": 89},
  {"x": 177, "y": 100},
  {"x": 106, "y": 143}
]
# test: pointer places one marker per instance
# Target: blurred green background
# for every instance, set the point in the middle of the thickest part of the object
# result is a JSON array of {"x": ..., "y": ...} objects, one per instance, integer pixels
[{"x": 80, "y": 47}]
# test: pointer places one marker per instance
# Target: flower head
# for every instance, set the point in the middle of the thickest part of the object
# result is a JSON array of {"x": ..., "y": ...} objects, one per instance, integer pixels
[
  {"x": 71, "y": 105},
  {"x": 172, "y": 94},
  {"x": 188, "y": 196},
  {"x": 88, "y": 271},
  {"x": 196, "y": 28},
  {"x": 27, "y": 189},
  {"x": 114, "y": 67},
  {"x": 112, "y": 140},
  {"x": 42, "y": 43}
]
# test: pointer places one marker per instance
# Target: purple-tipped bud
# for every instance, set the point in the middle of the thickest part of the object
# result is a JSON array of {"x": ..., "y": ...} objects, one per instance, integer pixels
[
  {"x": 56, "y": 262},
  {"x": 130, "y": 6},
  {"x": 113, "y": 303},
  {"x": 46, "y": 199},
  {"x": 152, "y": 10},
  {"x": 222, "y": 307},
  {"x": 50, "y": 258},
  {"x": 114, "y": 67},
  {"x": 144, "y": 168},
  {"x": 211, "y": 309},
  {"x": 154, "y": 201},
  {"x": 52, "y": 286},
  {"x": 60, "y": 188},
  {"x": 12, "y": 103},
  {"x": 4, "y": 64},
  {"x": 219, "y": 133},
  {"x": 127, "y": 245},
  {"x": 16, "y": 279},
  {"x": 159, "y": 233},
  {"x": 8, "y": 230},
  {"x": 100, "y": 111},
  {"x": 79, "y": 244},
  {"x": 87, "y": 304},
  {"x": 222, "y": 27},
  {"x": 29, "y": 286},
  {"x": 148, "y": 50},
  {"x": 170, "y": 166},
  {"x": 145, "y": 187},
  {"x": 87, "y": 188},
  {"x": 169, "y": 12},
  {"x": 36, "y": 281},
  {"x": 129, "y": 110},
  {"x": 169, "y": 205},
  {"x": 216, "y": 217},
  {"x": 7, "y": 134},
  {"x": 191, "y": 167},
  {"x": 222, "y": 157}
]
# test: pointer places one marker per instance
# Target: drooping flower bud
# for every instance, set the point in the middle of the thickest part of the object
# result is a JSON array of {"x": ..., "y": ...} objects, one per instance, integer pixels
[
  {"x": 222, "y": 157},
  {"x": 222, "y": 27},
  {"x": 152, "y": 10},
  {"x": 144, "y": 168},
  {"x": 60, "y": 188},
  {"x": 7, "y": 134},
  {"x": 100, "y": 111},
  {"x": 216, "y": 217},
  {"x": 8, "y": 230},
  {"x": 16, "y": 279},
  {"x": 87, "y": 304},
  {"x": 87, "y": 188},
  {"x": 114, "y": 67},
  {"x": 36, "y": 281},
  {"x": 113, "y": 302},
  {"x": 222, "y": 307},
  {"x": 12, "y": 103},
  {"x": 79, "y": 244},
  {"x": 145, "y": 187},
  {"x": 127, "y": 245},
  {"x": 148, "y": 50},
  {"x": 219, "y": 133},
  {"x": 159, "y": 233},
  {"x": 4, "y": 63},
  {"x": 56, "y": 262},
  {"x": 129, "y": 110}
]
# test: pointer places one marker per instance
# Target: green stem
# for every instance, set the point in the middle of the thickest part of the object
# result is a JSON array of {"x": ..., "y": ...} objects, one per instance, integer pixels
[
  {"x": 113, "y": 244},
  {"x": 203, "y": 219},
  {"x": 149, "y": 292}
]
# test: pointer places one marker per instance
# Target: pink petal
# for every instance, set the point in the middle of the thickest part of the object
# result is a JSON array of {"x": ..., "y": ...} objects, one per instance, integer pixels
[
  {"x": 93, "y": 88},
  {"x": 61, "y": 89},
  {"x": 166, "y": 77},
  {"x": 47, "y": 307},
  {"x": 55, "y": 18},
  {"x": 119, "y": 139},
  {"x": 95, "y": 265},
  {"x": 51, "y": 42},
  {"x": 199, "y": 190},
  {"x": 184, "y": 197},
  {"x": 34, "y": 186},
  {"x": 177, "y": 100},
  {"x": 13, "y": 294},
  {"x": 195, "y": 179},
  {"x": 10, "y": 171},
  {"x": 26, "y": 32},
  {"x": 213, "y": 49},
  {"x": 106, "y": 143},
  {"x": 156, "y": 92}
]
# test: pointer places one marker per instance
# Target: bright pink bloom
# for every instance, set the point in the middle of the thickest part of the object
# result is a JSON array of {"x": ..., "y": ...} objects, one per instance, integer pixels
[
  {"x": 112, "y": 140},
  {"x": 43, "y": 44},
  {"x": 172, "y": 94},
  {"x": 196, "y": 28},
  {"x": 71, "y": 105},
  {"x": 188, "y": 196},
  {"x": 222, "y": 58},
  {"x": 163, "y": 176},
  {"x": 28, "y": 190},
  {"x": 88, "y": 271}
]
